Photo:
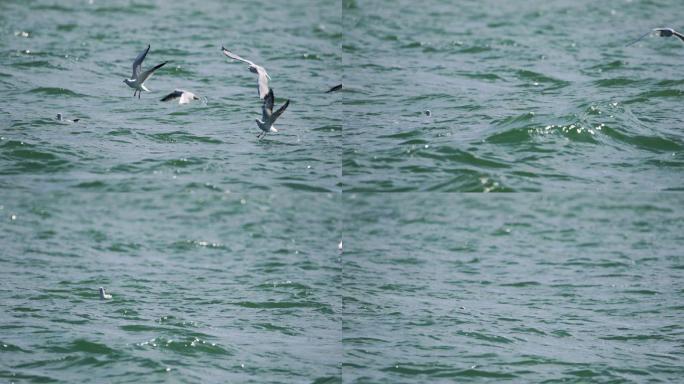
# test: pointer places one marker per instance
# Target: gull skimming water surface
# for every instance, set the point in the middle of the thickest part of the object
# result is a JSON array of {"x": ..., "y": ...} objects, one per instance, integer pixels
[
  {"x": 664, "y": 32},
  {"x": 268, "y": 116},
  {"x": 183, "y": 96}
]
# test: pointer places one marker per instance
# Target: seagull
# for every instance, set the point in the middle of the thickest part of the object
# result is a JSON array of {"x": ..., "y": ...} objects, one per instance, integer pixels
[
  {"x": 137, "y": 81},
  {"x": 269, "y": 117},
  {"x": 335, "y": 88},
  {"x": 183, "y": 96},
  {"x": 263, "y": 79},
  {"x": 59, "y": 118},
  {"x": 104, "y": 295},
  {"x": 665, "y": 32}
]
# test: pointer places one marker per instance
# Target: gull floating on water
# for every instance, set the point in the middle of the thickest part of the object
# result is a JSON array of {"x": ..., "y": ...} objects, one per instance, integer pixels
[
  {"x": 263, "y": 77},
  {"x": 334, "y": 89},
  {"x": 665, "y": 32},
  {"x": 60, "y": 118},
  {"x": 104, "y": 295},
  {"x": 268, "y": 116},
  {"x": 137, "y": 81},
  {"x": 183, "y": 96}
]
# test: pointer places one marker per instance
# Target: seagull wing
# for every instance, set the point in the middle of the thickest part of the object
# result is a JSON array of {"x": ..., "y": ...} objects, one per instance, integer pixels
[
  {"x": 267, "y": 107},
  {"x": 137, "y": 63},
  {"x": 670, "y": 30},
  {"x": 640, "y": 38},
  {"x": 262, "y": 81},
  {"x": 263, "y": 76},
  {"x": 335, "y": 88},
  {"x": 681, "y": 37},
  {"x": 236, "y": 57},
  {"x": 173, "y": 95},
  {"x": 146, "y": 75},
  {"x": 279, "y": 112}
]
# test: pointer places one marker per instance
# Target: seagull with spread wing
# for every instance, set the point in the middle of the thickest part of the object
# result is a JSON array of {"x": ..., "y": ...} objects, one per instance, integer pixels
[
  {"x": 183, "y": 96},
  {"x": 137, "y": 81},
  {"x": 263, "y": 76},
  {"x": 664, "y": 32},
  {"x": 268, "y": 117}
]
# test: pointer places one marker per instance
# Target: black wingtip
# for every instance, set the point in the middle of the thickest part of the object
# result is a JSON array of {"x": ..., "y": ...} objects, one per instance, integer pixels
[
  {"x": 334, "y": 89},
  {"x": 170, "y": 96}
]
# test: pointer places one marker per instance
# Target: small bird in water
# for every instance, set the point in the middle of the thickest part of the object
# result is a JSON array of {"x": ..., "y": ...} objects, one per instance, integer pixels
[
  {"x": 60, "y": 118},
  {"x": 664, "y": 32},
  {"x": 137, "y": 81},
  {"x": 263, "y": 77},
  {"x": 183, "y": 96},
  {"x": 428, "y": 113},
  {"x": 334, "y": 89},
  {"x": 268, "y": 116},
  {"x": 104, "y": 295}
]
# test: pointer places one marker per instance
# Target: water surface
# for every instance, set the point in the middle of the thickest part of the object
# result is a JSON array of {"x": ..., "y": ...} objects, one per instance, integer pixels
[
  {"x": 524, "y": 96},
  {"x": 522, "y": 288}
]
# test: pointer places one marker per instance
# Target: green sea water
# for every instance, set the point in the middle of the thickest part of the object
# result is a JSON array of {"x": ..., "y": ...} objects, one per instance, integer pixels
[
  {"x": 221, "y": 251},
  {"x": 538, "y": 96},
  {"x": 577, "y": 288}
]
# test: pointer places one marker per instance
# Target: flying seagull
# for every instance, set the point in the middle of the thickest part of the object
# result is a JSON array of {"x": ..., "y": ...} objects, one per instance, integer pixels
[
  {"x": 60, "y": 118},
  {"x": 184, "y": 97},
  {"x": 268, "y": 116},
  {"x": 137, "y": 81},
  {"x": 104, "y": 295},
  {"x": 263, "y": 79},
  {"x": 665, "y": 32},
  {"x": 335, "y": 88}
]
